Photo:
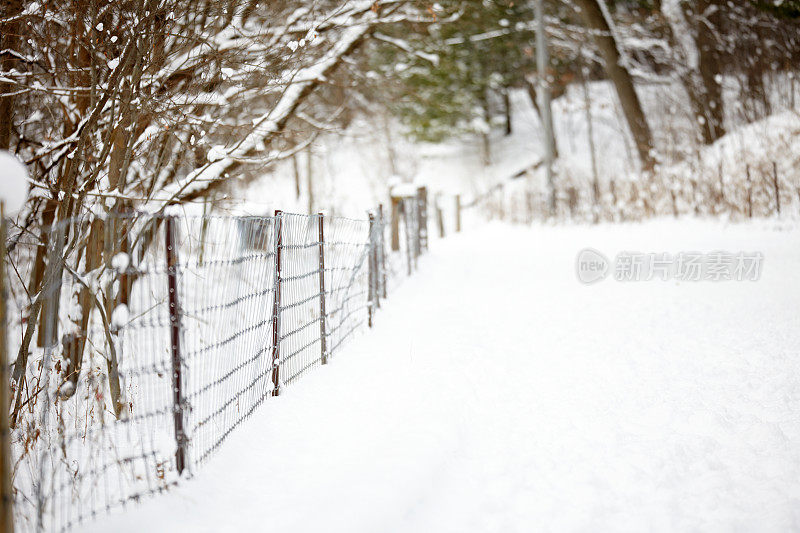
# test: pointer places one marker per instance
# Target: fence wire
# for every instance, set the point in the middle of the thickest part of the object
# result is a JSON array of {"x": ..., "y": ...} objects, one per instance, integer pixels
[{"x": 159, "y": 335}]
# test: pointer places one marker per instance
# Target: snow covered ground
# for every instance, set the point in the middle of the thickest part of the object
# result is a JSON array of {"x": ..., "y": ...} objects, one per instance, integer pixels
[{"x": 497, "y": 393}]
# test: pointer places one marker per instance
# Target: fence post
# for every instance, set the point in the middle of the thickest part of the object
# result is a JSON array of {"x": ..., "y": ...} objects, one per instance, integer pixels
[
  {"x": 417, "y": 230},
  {"x": 276, "y": 304},
  {"x": 381, "y": 224},
  {"x": 777, "y": 186},
  {"x": 458, "y": 213},
  {"x": 749, "y": 193},
  {"x": 323, "y": 339},
  {"x": 371, "y": 269},
  {"x": 409, "y": 244},
  {"x": 395, "y": 223},
  {"x": 175, "y": 333},
  {"x": 376, "y": 279},
  {"x": 6, "y": 494},
  {"x": 422, "y": 217},
  {"x": 674, "y": 203},
  {"x": 439, "y": 217}
]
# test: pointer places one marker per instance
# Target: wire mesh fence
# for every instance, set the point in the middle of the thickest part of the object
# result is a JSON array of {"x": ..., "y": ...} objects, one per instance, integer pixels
[{"x": 153, "y": 337}]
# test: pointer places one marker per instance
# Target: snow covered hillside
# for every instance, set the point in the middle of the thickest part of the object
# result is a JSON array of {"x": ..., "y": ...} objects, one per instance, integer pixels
[
  {"x": 354, "y": 169},
  {"x": 498, "y": 393}
]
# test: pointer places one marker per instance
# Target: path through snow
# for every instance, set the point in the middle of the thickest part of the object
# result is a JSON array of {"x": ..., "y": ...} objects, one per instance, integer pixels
[{"x": 496, "y": 393}]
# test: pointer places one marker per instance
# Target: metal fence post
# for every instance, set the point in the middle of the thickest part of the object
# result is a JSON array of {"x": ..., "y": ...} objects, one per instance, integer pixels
[
  {"x": 439, "y": 217},
  {"x": 6, "y": 494},
  {"x": 375, "y": 245},
  {"x": 276, "y": 304},
  {"x": 749, "y": 193},
  {"x": 371, "y": 269},
  {"x": 175, "y": 333},
  {"x": 382, "y": 224},
  {"x": 409, "y": 243},
  {"x": 422, "y": 217},
  {"x": 417, "y": 230},
  {"x": 322, "y": 317},
  {"x": 396, "y": 209},
  {"x": 458, "y": 213}
]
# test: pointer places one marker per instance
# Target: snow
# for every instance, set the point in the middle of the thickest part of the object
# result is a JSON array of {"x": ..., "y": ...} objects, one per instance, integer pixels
[
  {"x": 120, "y": 316},
  {"x": 120, "y": 262},
  {"x": 13, "y": 182},
  {"x": 498, "y": 393}
]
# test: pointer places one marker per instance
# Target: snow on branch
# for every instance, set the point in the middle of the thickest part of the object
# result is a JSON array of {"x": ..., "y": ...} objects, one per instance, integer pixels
[{"x": 269, "y": 124}]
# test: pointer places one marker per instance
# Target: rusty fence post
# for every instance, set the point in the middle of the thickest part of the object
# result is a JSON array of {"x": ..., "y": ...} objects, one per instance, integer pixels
[
  {"x": 370, "y": 269},
  {"x": 276, "y": 305},
  {"x": 6, "y": 492},
  {"x": 171, "y": 243},
  {"x": 382, "y": 251},
  {"x": 458, "y": 213},
  {"x": 323, "y": 336}
]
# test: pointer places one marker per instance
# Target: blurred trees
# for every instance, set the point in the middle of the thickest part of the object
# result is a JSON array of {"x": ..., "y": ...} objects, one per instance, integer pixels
[
  {"x": 724, "y": 54},
  {"x": 460, "y": 81}
]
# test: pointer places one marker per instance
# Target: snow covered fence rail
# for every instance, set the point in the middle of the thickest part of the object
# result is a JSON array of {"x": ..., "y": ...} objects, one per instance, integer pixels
[{"x": 160, "y": 334}]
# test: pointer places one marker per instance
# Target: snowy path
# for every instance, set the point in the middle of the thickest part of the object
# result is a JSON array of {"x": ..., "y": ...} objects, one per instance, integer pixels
[{"x": 496, "y": 393}]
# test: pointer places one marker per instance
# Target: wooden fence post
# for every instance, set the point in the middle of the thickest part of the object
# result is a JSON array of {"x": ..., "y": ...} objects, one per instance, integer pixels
[
  {"x": 175, "y": 333},
  {"x": 458, "y": 213},
  {"x": 777, "y": 186},
  {"x": 276, "y": 304},
  {"x": 323, "y": 336},
  {"x": 381, "y": 223},
  {"x": 6, "y": 492}
]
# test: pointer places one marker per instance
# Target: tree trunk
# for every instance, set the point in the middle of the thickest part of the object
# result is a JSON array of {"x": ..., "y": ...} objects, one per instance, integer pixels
[
  {"x": 532, "y": 95},
  {"x": 701, "y": 75},
  {"x": 595, "y": 20},
  {"x": 709, "y": 68},
  {"x": 9, "y": 34},
  {"x": 590, "y": 134},
  {"x": 507, "y": 110}
]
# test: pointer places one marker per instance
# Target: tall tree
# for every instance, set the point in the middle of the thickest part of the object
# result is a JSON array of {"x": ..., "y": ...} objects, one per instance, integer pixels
[
  {"x": 594, "y": 16},
  {"x": 694, "y": 28}
]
